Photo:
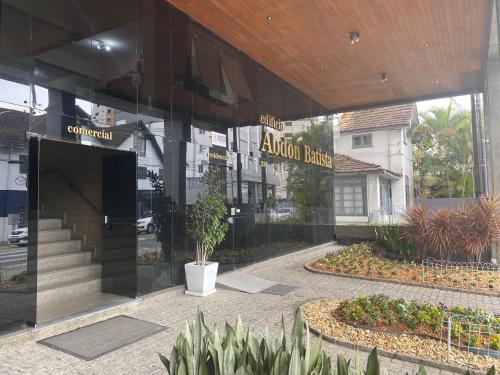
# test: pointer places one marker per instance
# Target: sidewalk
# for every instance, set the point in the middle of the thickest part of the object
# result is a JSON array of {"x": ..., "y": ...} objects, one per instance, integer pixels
[{"x": 257, "y": 310}]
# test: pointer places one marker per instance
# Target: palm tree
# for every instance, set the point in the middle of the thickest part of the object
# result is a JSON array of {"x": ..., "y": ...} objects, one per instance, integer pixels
[{"x": 443, "y": 153}]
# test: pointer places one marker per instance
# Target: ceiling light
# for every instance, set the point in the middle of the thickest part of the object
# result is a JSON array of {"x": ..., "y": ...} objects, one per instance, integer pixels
[
  {"x": 354, "y": 37},
  {"x": 426, "y": 44},
  {"x": 103, "y": 46},
  {"x": 436, "y": 81},
  {"x": 322, "y": 66},
  {"x": 269, "y": 18},
  {"x": 383, "y": 77}
]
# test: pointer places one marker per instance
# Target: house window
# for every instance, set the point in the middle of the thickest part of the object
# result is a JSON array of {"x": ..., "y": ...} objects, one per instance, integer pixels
[
  {"x": 361, "y": 140},
  {"x": 407, "y": 191},
  {"x": 23, "y": 164},
  {"x": 141, "y": 145},
  {"x": 160, "y": 173},
  {"x": 350, "y": 196},
  {"x": 200, "y": 168},
  {"x": 288, "y": 123},
  {"x": 142, "y": 173},
  {"x": 201, "y": 131},
  {"x": 385, "y": 196}
]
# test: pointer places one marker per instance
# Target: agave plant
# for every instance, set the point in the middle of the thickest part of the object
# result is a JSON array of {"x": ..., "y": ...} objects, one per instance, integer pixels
[{"x": 201, "y": 350}]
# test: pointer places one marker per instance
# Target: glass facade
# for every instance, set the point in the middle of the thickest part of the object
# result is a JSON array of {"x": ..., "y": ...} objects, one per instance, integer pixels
[{"x": 97, "y": 98}]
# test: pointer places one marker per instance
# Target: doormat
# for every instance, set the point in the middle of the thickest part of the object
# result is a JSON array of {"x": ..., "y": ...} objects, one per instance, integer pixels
[
  {"x": 244, "y": 282},
  {"x": 97, "y": 339},
  {"x": 279, "y": 289}
]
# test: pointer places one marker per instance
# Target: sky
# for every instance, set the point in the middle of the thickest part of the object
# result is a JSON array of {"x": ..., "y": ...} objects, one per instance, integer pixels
[{"x": 460, "y": 101}]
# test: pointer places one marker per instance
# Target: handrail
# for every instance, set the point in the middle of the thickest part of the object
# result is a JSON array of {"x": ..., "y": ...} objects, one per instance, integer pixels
[{"x": 73, "y": 186}]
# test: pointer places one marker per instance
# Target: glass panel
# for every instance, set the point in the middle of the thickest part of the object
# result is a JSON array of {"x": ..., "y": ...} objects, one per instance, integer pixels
[
  {"x": 86, "y": 207},
  {"x": 17, "y": 258}
]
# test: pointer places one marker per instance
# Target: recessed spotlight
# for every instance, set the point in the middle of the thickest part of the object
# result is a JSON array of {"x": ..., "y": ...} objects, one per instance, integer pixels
[
  {"x": 269, "y": 18},
  {"x": 383, "y": 77},
  {"x": 354, "y": 37},
  {"x": 103, "y": 46},
  {"x": 322, "y": 66},
  {"x": 436, "y": 81},
  {"x": 426, "y": 44}
]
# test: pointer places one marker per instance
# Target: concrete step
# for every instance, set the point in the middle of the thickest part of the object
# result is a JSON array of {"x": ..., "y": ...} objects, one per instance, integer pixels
[
  {"x": 54, "y": 235},
  {"x": 62, "y": 261},
  {"x": 60, "y": 292},
  {"x": 49, "y": 249},
  {"x": 69, "y": 275},
  {"x": 49, "y": 224}
]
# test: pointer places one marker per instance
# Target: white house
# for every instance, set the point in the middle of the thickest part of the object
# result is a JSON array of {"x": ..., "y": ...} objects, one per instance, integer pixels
[
  {"x": 380, "y": 185},
  {"x": 136, "y": 136}
]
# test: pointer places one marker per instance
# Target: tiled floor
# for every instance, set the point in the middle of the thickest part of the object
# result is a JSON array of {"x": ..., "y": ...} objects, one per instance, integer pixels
[{"x": 256, "y": 310}]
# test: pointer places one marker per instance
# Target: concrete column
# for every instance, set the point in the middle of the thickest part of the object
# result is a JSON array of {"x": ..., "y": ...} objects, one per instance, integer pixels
[{"x": 492, "y": 117}]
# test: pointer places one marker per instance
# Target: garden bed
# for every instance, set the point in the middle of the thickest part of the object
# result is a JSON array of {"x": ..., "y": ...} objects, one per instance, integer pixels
[
  {"x": 362, "y": 260},
  {"x": 334, "y": 318}
]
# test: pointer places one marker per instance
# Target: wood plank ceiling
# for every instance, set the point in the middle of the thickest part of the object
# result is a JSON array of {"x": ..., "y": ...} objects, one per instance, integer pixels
[{"x": 426, "y": 48}]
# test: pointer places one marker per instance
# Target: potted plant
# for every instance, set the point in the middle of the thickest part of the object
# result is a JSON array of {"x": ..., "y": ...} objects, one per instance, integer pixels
[{"x": 207, "y": 227}]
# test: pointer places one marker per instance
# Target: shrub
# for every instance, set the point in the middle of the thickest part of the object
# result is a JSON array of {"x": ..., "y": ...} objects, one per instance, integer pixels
[
  {"x": 392, "y": 238},
  {"x": 206, "y": 223},
  {"x": 467, "y": 231}
]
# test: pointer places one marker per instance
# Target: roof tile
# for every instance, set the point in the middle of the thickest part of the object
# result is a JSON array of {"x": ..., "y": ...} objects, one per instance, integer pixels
[{"x": 377, "y": 118}]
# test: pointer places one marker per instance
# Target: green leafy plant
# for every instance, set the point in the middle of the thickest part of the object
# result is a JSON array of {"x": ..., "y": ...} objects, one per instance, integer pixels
[
  {"x": 422, "y": 318},
  {"x": 392, "y": 238},
  {"x": 206, "y": 219},
  {"x": 166, "y": 216},
  {"x": 202, "y": 350}
]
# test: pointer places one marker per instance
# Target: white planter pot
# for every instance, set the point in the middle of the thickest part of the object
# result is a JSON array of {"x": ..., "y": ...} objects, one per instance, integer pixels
[{"x": 201, "y": 279}]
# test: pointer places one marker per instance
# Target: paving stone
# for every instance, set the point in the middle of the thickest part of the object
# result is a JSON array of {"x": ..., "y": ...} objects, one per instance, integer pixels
[{"x": 258, "y": 310}]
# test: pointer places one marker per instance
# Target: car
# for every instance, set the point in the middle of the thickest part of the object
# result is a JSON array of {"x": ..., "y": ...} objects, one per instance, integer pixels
[
  {"x": 19, "y": 236},
  {"x": 145, "y": 223}
]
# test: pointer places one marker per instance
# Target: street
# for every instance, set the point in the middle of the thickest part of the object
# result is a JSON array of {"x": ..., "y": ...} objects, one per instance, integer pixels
[{"x": 12, "y": 253}]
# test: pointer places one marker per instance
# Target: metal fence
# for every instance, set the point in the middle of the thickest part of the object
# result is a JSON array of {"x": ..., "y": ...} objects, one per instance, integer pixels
[
  {"x": 478, "y": 333},
  {"x": 470, "y": 275},
  {"x": 395, "y": 216}
]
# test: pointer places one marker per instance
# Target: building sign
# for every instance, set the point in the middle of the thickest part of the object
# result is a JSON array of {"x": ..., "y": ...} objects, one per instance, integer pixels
[
  {"x": 216, "y": 155},
  {"x": 90, "y": 132},
  {"x": 280, "y": 147},
  {"x": 218, "y": 139},
  {"x": 272, "y": 122}
]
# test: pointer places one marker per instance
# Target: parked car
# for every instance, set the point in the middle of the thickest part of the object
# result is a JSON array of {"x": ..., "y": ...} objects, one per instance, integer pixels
[
  {"x": 19, "y": 236},
  {"x": 145, "y": 223}
]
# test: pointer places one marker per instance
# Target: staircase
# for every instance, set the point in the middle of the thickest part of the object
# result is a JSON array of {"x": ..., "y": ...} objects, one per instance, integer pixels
[{"x": 68, "y": 282}]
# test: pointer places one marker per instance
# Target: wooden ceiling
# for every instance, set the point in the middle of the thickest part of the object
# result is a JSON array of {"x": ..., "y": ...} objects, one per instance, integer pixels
[{"x": 427, "y": 48}]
